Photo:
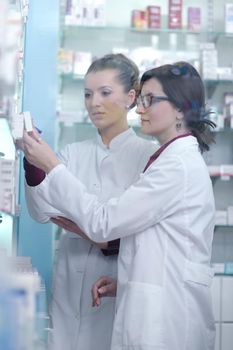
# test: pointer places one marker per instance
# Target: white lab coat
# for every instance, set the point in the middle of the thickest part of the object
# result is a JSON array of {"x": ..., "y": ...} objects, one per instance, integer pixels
[
  {"x": 106, "y": 172},
  {"x": 166, "y": 221}
]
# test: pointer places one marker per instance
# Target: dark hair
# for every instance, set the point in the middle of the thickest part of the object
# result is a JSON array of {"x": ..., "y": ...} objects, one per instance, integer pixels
[
  {"x": 128, "y": 71},
  {"x": 184, "y": 87}
]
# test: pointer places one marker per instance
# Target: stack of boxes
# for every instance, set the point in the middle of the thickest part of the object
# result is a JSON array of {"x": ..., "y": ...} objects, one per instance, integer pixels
[
  {"x": 209, "y": 61},
  {"x": 74, "y": 63},
  {"x": 7, "y": 185},
  {"x": 86, "y": 12},
  {"x": 150, "y": 18}
]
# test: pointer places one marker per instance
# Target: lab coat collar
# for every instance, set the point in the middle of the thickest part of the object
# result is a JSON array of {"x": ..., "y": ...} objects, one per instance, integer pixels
[
  {"x": 180, "y": 144},
  {"x": 162, "y": 148},
  {"x": 118, "y": 141},
  {"x": 176, "y": 146}
]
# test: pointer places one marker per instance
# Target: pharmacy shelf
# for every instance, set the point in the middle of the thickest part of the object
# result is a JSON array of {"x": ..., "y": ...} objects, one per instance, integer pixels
[
  {"x": 221, "y": 174},
  {"x": 208, "y": 82},
  {"x": 150, "y": 31},
  {"x": 223, "y": 170}
]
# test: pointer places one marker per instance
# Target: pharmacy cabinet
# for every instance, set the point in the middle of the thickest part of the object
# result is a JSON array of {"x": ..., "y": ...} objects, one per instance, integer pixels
[
  {"x": 40, "y": 99},
  {"x": 24, "y": 24},
  {"x": 227, "y": 299},
  {"x": 217, "y": 337},
  {"x": 209, "y": 47},
  {"x": 216, "y": 298},
  {"x": 90, "y": 29},
  {"x": 23, "y": 304},
  {"x": 13, "y": 17},
  {"x": 222, "y": 292},
  {"x": 227, "y": 336}
]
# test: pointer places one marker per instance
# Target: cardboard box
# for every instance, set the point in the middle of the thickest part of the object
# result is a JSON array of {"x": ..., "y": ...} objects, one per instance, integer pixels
[
  {"x": 153, "y": 14},
  {"x": 138, "y": 19},
  {"x": 82, "y": 61},
  {"x": 194, "y": 18},
  {"x": 65, "y": 61},
  {"x": 175, "y": 14},
  {"x": 229, "y": 18}
]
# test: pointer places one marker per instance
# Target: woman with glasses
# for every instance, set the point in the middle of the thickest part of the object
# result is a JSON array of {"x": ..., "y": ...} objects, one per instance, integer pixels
[
  {"x": 107, "y": 165},
  {"x": 165, "y": 220}
]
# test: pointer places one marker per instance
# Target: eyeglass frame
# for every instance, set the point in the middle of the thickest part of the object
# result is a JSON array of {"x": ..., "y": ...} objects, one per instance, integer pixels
[{"x": 153, "y": 100}]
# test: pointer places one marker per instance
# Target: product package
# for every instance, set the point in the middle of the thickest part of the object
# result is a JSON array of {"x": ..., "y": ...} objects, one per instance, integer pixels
[
  {"x": 194, "y": 18},
  {"x": 65, "y": 61},
  {"x": 153, "y": 14},
  {"x": 175, "y": 14},
  {"x": 138, "y": 19},
  {"x": 229, "y": 18},
  {"x": 209, "y": 61},
  {"x": 82, "y": 61},
  {"x": 228, "y": 110}
]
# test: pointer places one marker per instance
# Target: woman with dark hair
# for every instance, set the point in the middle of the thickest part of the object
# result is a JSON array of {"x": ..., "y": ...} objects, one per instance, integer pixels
[
  {"x": 165, "y": 220},
  {"x": 107, "y": 165}
]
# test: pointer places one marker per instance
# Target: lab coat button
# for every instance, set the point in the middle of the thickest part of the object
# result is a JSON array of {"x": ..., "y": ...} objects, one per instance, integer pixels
[{"x": 96, "y": 188}]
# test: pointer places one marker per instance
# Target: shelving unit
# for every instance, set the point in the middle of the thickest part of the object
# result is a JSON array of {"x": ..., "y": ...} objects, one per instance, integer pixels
[
  {"x": 162, "y": 46},
  {"x": 167, "y": 46},
  {"x": 11, "y": 86},
  {"x": 22, "y": 294}
]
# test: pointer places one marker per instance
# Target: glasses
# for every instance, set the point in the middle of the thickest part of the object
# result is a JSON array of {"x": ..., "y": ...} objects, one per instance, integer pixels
[{"x": 147, "y": 100}]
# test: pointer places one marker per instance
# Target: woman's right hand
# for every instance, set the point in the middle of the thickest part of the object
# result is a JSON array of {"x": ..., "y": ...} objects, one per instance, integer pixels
[{"x": 103, "y": 287}]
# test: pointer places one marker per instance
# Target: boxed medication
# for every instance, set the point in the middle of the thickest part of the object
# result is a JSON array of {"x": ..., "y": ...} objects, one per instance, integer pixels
[
  {"x": 153, "y": 14},
  {"x": 138, "y": 19},
  {"x": 194, "y": 18},
  {"x": 229, "y": 18},
  {"x": 82, "y": 61},
  {"x": 65, "y": 61},
  {"x": 221, "y": 217},
  {"x": 175, "y": 14},
  {"x": 230, "y": 215}
]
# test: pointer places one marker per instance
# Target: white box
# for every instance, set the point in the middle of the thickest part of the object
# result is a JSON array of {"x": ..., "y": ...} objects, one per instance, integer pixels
[
  {"x": 17, "y": 126},
  {"x": 227, "y": 299},
  {"x": 82, "y": 61},
  {"x": 221, "y": 217},
  {"x": 207, "y": 46},
  {"x": 227, "y": 336},
  {"x": 214, "y": 170},
  {"x": 28, "y": 121},
  {"x": 99, "y": 8},
  {"x": 215, "y": 294},
  {"x": 217, "y": 337},
  {"x": 226, "y": 169},
  {"x": 230, "y": 215},
  {"x": 229, "y": 18}
]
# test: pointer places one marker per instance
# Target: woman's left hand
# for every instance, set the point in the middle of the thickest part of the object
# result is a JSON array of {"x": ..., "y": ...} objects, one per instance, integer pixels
[
  {"x": 69, "y": 225},
  {"x": 39, "y": 153}
]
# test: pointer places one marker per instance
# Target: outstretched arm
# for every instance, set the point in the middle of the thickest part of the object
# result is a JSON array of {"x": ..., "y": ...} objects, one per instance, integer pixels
[{"x": 141, "y": 206}]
